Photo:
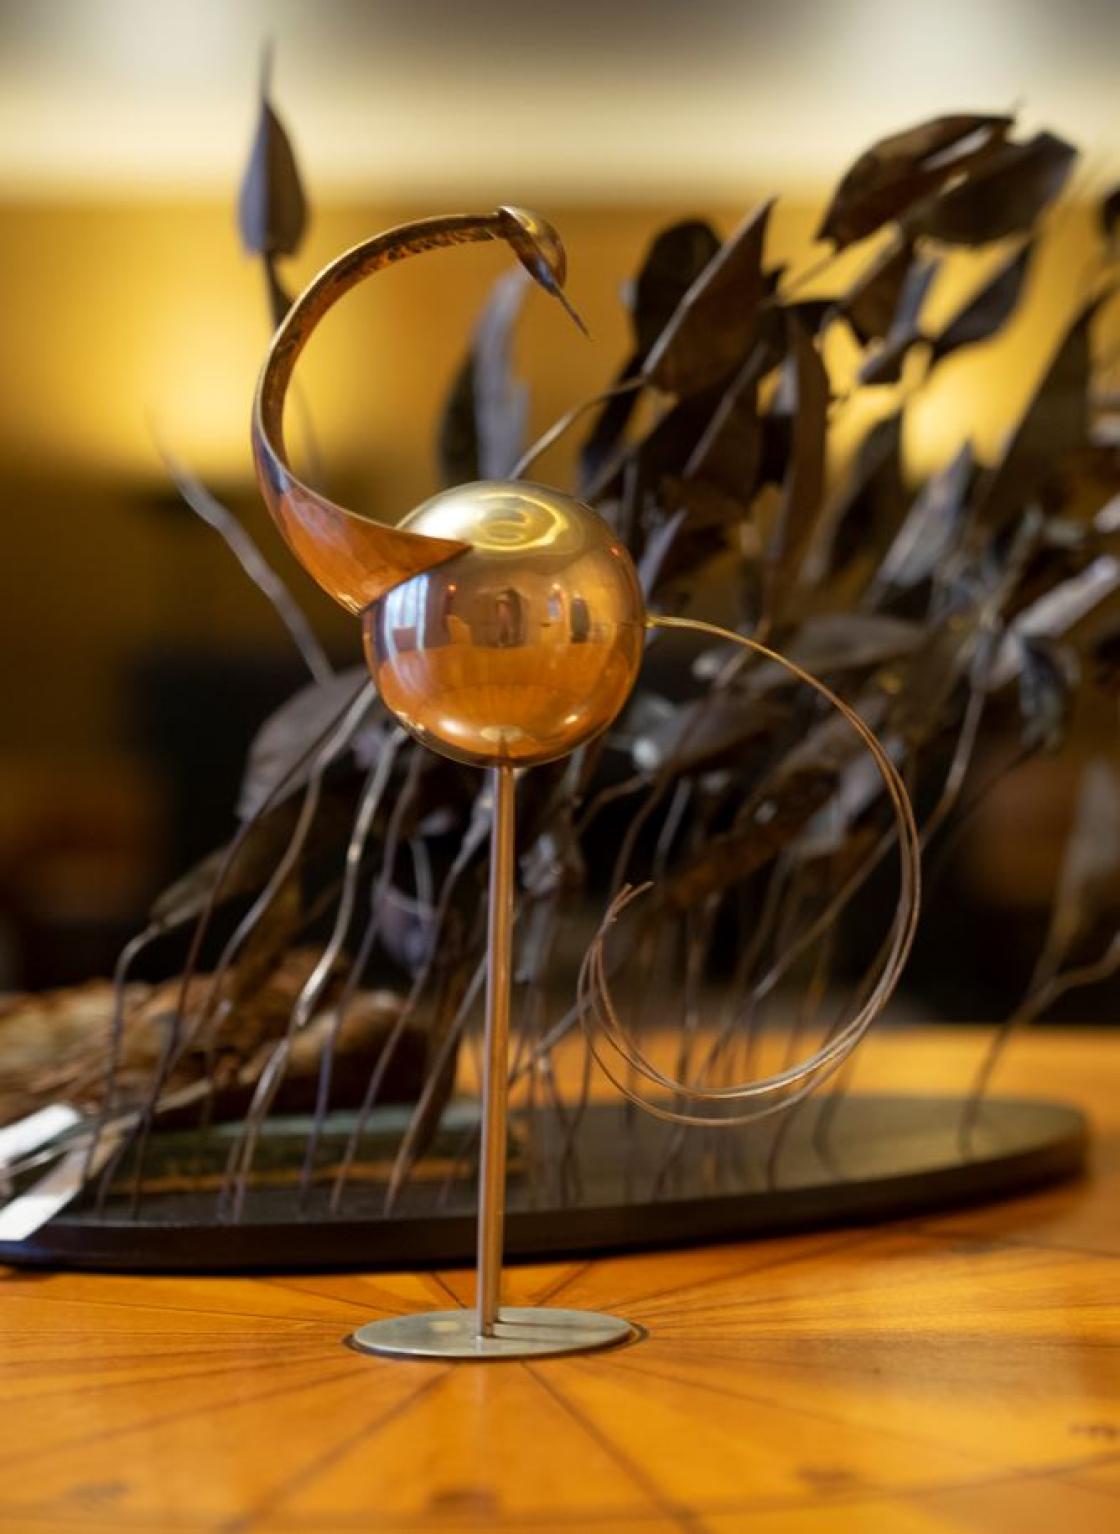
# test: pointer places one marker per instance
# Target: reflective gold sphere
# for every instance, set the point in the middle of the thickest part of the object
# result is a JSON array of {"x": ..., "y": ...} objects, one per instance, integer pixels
[{"x": 522, "y": 648}]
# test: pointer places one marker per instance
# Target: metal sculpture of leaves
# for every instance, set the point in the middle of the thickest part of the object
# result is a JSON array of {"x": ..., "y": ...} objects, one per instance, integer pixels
[
  {"x": 803, "y": 489},
  {"x": 933, "y": 526},
  {"x": 673, "y": 262},
  {"x": 272, "y": 207},
  {"x": 885, "y": 365},
  {"x": 1002, "y": 196},
  {"x": 872, "y": 302},
  {"x": 988, "y": 310},
  {"x": 1110, "y": 213},
  {"x": 282, "y": 740},
  {"x": 873, "y": 506},
  {"x": 708, "y": 335},
  {"x": 1054, "y": 424},
  {"x": 1047, "y": 680},
  {"x": 896, "y": 172}
]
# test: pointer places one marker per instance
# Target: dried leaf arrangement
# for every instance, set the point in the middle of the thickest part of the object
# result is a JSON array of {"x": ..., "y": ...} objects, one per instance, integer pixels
[{"x": 754, "y": 815}]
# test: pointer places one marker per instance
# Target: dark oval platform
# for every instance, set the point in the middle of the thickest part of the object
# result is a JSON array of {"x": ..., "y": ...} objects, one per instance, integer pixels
[{"x": 630, "y": 1186}]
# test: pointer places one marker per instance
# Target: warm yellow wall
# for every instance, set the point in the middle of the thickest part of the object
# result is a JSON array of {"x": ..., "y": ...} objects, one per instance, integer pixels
[{"x": 117, "y": 313}]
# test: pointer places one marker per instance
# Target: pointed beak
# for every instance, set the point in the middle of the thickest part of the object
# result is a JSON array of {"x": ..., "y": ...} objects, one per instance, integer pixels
[{"x": 541, "y": 252}]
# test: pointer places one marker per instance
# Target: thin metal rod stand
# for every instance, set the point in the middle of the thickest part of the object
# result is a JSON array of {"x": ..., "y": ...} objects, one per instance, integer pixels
[
  {"x": 495, "y": 1066},
  {"x": 489, "y": 1331}
]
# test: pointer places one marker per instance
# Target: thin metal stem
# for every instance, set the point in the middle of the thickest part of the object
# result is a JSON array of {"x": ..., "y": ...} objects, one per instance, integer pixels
[
  {"x": 776, "y": 1092},
  {"x": 495, "y": 1077},
  {"x": 252, "y": 561}
]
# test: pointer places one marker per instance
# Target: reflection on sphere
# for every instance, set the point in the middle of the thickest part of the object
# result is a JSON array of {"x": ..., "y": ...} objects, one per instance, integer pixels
[{"x": 521, "y": 649}]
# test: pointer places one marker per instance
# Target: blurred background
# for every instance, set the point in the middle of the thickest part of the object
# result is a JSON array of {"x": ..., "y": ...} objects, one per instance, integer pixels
[{"x": 137, "y": 660}]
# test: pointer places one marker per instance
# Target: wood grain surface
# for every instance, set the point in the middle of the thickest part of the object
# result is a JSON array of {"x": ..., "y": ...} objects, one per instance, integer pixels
[{"x": 958, "y": 1373}]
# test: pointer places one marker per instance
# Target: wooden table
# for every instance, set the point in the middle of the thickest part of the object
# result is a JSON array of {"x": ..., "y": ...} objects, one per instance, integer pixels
[{"x": 957, "y": 1373}]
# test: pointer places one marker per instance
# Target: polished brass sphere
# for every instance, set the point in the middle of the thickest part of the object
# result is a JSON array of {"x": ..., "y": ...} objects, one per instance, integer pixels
[{"x": 520, "y": 649}]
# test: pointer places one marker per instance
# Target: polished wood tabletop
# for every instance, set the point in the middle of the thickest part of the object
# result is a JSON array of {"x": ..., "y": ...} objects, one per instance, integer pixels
[{"x": 954, "y": 1373}]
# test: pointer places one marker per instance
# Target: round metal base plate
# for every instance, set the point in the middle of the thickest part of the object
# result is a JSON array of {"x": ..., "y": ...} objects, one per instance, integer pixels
[{"x": 520, "y": 1333}]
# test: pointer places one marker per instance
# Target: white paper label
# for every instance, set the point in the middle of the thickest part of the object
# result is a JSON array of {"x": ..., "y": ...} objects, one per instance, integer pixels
[
  {"x": 26, "y": 1135},
  {"x": 24, "y": 1215}
]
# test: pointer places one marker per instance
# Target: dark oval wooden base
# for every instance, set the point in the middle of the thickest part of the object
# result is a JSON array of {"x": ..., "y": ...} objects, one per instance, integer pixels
[{"x": 884, "y": 1157}]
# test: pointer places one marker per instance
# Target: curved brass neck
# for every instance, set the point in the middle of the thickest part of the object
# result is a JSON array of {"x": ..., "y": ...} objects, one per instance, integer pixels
[{"x": 352, "y": 557}]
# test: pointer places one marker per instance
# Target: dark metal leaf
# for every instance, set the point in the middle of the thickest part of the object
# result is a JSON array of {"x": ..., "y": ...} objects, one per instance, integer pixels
[
  {"x": 665, "y": 450},
  {"x": 712, "y": 326},
  {"x": 1055, "y": 423},
  {"x": 253, "y": 863},
  {"x": 675, "y": 259},
  {"x": 482, "y": 428},
  {"x": 873, "y": 505},
  {"x": 932, "y": 527},
  {"x": 729, "y": 452},
  {"x": 872, "y": 301},
  {"x": 672, "y": 264},
  {"x": 1110, "y": 213},
  {"x": 922, "y": 688},
  {"x": 291, "y": 732},
  {"x": 913, "y": 295},
  {"x": 812, "y": 312},
  {"x": 407, "y": 929},
  {"x": 803, "y": 488},
  {"x": 885, "y": 365},
  {"x": 989, "y": 309},
  {"x": 783, "y": 804},
  {"x": 896, "y": 171},
  {"x": 731, "y": 856},
  {"x": 1003, "y": 196},
  {"x": 690, "y": 524},
  {"x": 501, "y": 403},
  {"x": 1064, "y": 548},
  {"x": 272, "y": 208},
  {"x": 849, "y": 641},
  {"x": 776, "y": 447},
  {"x": 457, "y": 435},
  {"x": 272, "y": 933},
  {"x": 1058, "y": 611},
  {"x": 1048, "y": 678}
]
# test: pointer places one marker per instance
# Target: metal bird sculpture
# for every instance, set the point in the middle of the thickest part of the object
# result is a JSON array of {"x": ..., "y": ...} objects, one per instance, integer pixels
[{"x": 504, "y": 625}]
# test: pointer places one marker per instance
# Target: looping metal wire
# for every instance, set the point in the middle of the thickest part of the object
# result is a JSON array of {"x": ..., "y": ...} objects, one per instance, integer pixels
[{"x": 780, "y": 1090}]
